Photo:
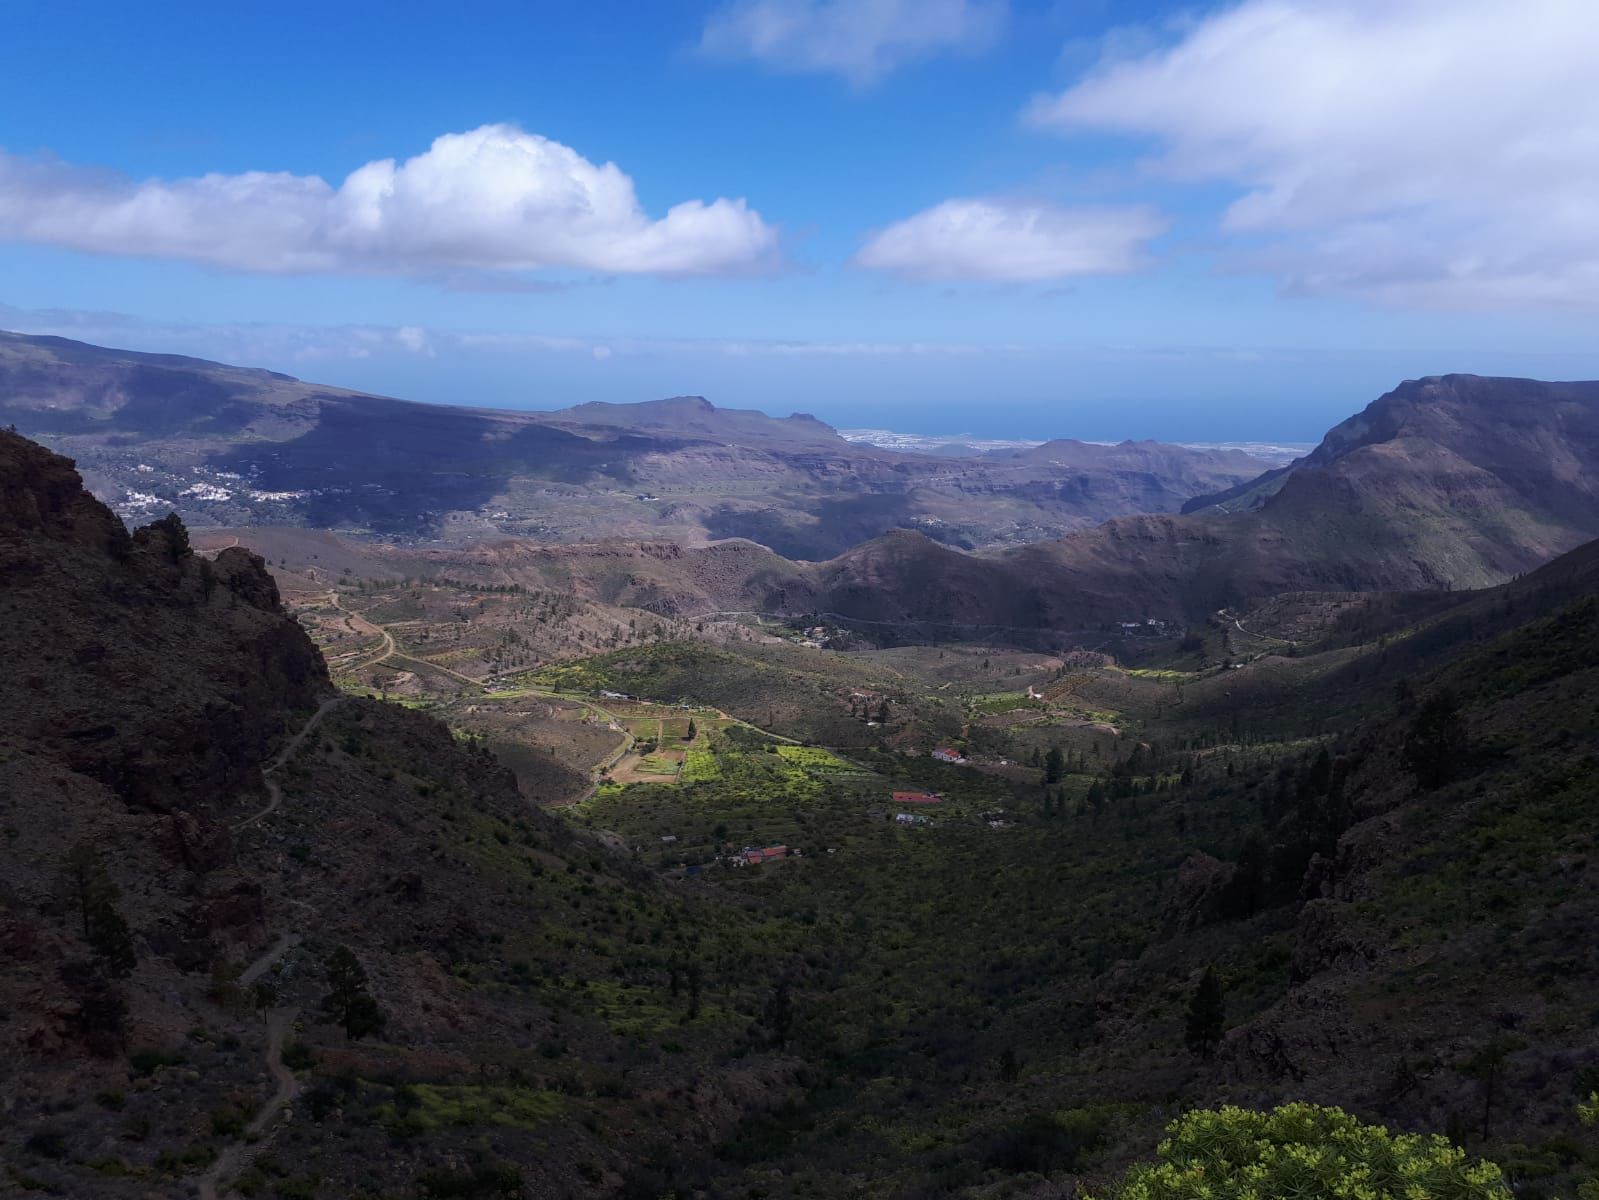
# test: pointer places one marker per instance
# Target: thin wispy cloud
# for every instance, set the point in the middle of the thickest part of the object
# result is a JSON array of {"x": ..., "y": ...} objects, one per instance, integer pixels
[
  {"x": 1424, "y": 153},
  {"x": 860, "y": 40},
  {"x": 250, "y": 344},
  {"x": 491, "y": 200},
  {"x": 1012, "y": 242}
]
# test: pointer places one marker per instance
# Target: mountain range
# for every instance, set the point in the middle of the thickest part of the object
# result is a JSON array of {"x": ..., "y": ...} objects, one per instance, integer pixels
[
  {"x": 1445, "y": 483},
  {"x": 228, "y": 446}
]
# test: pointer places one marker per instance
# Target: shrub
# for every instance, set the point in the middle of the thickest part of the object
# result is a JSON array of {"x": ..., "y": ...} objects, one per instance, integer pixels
[
  {"x": 484, "y": 1180},
  {"x": 1306, "y": 1151}
]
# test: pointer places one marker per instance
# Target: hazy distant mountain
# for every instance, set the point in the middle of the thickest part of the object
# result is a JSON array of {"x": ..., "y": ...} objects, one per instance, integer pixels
[
  {"x": 697, "y": 416},
  {"x": 228, "y": 446}
]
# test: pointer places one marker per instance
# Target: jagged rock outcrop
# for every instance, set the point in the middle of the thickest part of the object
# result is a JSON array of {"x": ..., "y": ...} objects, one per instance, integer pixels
[{"x": 134, "y": 661}]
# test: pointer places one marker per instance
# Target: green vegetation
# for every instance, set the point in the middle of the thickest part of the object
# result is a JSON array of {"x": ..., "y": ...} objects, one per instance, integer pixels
[
  {"x": 1072, "y": 908},
  {"x": 1003, "y": 702},
  {"x": 424, "y": 1107},
  {"x": 1301, "y": 1150}
]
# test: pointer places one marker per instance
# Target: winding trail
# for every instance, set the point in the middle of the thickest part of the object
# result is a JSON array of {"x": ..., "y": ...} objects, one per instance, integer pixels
[
  {"x": 388, "y": 648},
  {"x": 242, "y": 1153},
  {"x": 279, "y": 1021},
  {"x": 392, "y": 651},
  {"x": 485, "y": 684},
  {"x": 1224, "y": 615},
  {"x": 274, "y": 792}
]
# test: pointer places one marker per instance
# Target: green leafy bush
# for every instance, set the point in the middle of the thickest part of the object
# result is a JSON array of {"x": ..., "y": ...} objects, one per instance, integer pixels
[{"x": 1305, "y": 1151}]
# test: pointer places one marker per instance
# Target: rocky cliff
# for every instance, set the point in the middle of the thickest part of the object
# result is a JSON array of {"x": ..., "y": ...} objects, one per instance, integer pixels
[{"x": 163, "y": 675}]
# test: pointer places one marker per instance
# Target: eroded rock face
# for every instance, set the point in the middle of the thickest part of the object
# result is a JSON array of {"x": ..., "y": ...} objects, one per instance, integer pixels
[
  {"x": 139, "y": 664},
  {"x": 1327, "y": 938},
  {"x": 1197, "y": 890}
]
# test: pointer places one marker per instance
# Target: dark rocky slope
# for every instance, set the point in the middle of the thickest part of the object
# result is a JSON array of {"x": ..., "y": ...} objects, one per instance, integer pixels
[{"x": 152, "y": 872}]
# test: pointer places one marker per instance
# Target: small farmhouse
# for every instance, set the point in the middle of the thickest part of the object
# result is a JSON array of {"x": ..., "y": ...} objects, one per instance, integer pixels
[
  {"x": 947, "y": 755},
  {"x": 917, "y": 798},
  {"x": 755, "y": 855}
]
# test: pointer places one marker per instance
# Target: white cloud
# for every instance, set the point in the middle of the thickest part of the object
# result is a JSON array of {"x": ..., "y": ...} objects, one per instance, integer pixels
[
  {"x": 414, "y": 339},
  {"x": 1418, "y": 152},
  {"x": 862, "y": 40},
  {"x": 490, "y": 200},
  {"x": 1012, "y": 241}
]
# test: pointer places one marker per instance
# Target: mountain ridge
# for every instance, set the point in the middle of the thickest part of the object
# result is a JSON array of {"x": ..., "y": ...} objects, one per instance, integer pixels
[{"x": 237, "y": 446}]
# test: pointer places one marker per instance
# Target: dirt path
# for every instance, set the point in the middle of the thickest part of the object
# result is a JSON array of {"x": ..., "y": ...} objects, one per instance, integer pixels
[
  {"x": 285, "y": 943},
  {"x": 279, "y": 1021},
  {"x": 390, "y": 651},
  {"x": 1239, "y": 625},
  {"x": 352, "y": 619},
  {"x": 275, "y": 793},
  {"x": 485, "y": 685},
  {"x": 232, "y": 1161},
  {"x": 232, "y": 542}
]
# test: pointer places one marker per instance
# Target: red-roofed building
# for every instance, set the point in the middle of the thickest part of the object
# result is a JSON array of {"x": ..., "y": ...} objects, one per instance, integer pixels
[
  {"x": 947, "y": 755},
  {"x": 755, "y": 856},
  {"x": 917, "y": 797}
]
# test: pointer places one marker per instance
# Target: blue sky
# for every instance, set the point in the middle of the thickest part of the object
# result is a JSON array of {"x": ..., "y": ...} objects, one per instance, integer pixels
[{"x": 1024, "y": 219}]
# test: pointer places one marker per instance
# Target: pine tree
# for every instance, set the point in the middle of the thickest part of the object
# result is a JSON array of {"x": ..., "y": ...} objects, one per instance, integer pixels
[
  {"x": 1096, "y": 797},
  {"x": 1054, "y": 765},
  {"x": 87, "y": 887},
  {"x": 1010, "y": 1067},
  {"x": 1207, "y": 1015},
  {"x": 348, "y": 1002},
  {"x": 84, "y": 883},
  {"x": 177, "y": 536},
  {"x": 694, "y": 985},
  {"x": 1435, "y": 742},
  {"x": 779, "y": 1014},
  {"x": 113, "y": 941}
]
